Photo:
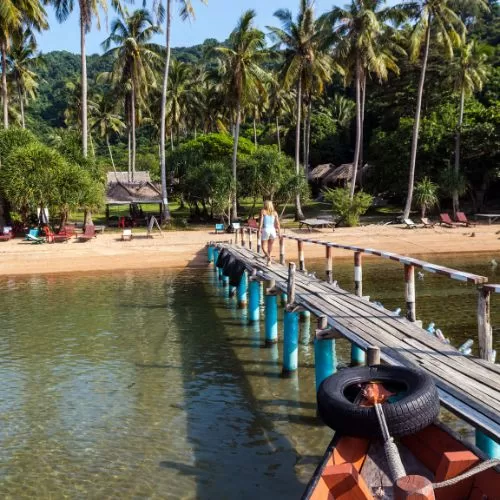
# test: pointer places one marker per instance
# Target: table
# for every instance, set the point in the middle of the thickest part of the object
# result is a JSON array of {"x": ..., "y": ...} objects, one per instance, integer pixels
[
  {"x": 312, "y": 223},
  {"x": 491, "y": 217}
]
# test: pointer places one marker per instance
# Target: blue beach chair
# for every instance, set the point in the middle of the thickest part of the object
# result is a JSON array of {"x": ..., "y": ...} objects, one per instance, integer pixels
[{"x": 219, "y": 228}]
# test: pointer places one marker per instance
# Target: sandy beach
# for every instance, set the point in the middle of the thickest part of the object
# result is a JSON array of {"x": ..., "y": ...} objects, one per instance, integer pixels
[{"x": 177, "y": 249}]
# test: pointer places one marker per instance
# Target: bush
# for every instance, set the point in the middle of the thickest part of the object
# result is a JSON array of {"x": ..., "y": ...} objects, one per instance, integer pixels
[
  {"x": 349, "y": 211},
  {"x": 13, "y": 138}
]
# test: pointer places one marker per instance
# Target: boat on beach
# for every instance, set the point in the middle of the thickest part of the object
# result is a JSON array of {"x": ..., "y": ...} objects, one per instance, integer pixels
[{"x": 418, "y": 461}]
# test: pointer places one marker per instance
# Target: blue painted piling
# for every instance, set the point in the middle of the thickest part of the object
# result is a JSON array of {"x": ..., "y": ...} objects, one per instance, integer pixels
[
  {"x": 325, "y": 359},
  {"x": 358, "y": 356},
  {"x": 305, "y": 316},
  {"x": 271, "y": 317},
  {"x": 216, "y": 256},
  {"x": 284, "y": 298},
  {"x": 210, "y": 253},
  {"x": 487, "y": 445},
  {"x": 242, "y": 291},
  {"x": 225, "y": 280},
  {"x": 253, "y": 300},
  {"x": 291, "y": 342}
]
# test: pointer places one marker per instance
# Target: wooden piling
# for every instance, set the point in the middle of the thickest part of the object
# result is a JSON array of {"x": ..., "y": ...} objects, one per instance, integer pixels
[
  {"x": 250, "y": 238},
  {"x": 253, "y": 298},
  {"x": 242, "y": 291},
  {"x": 282, "y": 250},
  {"x": 358, "y": 274},
  {"x": 329, "y": 265},
  {"x": 410, "y": 292},
  {"x": 290, "y": 292},
  {"x": 259, "y": 241},
  {"x": 484, "y": 329},
  {"x": 242, "y": 236},
  {"x": 373, "y": 356},
  {"x": 236, "y": 232},
  {"x": 300, "y": 248}
]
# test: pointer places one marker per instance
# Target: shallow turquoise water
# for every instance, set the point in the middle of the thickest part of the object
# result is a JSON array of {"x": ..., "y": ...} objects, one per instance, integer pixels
[{"x": 153, "y": 385}]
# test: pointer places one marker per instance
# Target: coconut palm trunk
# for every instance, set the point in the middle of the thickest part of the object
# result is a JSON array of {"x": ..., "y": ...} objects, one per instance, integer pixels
[
  {"x": 163, "y": 118},
  {"x": 359, "y": 125},
  {"x": 84, "y": 86},
  {"x": 308, "y": 136},
  {"x": 5, "y": 95},
  {"x": 111, "y": 155},
  {"x": 234, "y": 214},
  {"x": 298, "y": 208},
  {"x": 254, "y": 132},
  {"x": 363, "y": 101},
  {"x": 456, "y": 205},
  {"x": 21, "y": 104},
  {"x": 129, "y": 144},
  {"x": 416, "y": 124},
  {"x": 132, "y": 119},
  {"x": 278, "y": 138}
]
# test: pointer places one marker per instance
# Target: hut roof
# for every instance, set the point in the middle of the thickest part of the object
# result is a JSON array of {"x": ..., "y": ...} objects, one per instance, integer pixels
[
  {"x": 321, "y": 171},
  {"x": 124, "y": 192},
  {"x": 343, "y": 173}
]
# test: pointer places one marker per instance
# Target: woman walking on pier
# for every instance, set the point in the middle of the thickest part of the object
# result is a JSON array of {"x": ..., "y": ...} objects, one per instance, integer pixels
[{"x": 269, "y": 225}]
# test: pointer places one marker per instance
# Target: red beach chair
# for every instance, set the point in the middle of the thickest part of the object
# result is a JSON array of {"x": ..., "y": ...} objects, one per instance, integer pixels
[
  {"x": 445, "y": 220},
  {"x": 88, "y": 234},
  {"x": 462, "y": 219},
  {"x": 65, "y": 234}
]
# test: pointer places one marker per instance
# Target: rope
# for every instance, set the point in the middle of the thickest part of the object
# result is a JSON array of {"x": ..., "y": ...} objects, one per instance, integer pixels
[
  {"x": 488, "y": 464},
  {"x": 396, "y": 466}
]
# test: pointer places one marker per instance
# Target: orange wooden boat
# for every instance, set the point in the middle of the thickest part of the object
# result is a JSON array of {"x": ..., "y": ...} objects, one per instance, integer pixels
[{"x": 356, "y": 467}]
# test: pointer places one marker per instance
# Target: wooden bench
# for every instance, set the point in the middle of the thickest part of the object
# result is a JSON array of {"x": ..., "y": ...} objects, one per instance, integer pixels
[{"x": 316, "y": 223}]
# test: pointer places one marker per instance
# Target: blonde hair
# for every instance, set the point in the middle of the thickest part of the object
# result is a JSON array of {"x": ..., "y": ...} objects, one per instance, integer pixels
[{"x": 269, "y": 207}]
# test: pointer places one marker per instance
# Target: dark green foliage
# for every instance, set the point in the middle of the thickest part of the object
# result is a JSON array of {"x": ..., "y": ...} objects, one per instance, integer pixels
[
  {"x": 13, "y": 138},
  {"x": 348, "y": 211}
]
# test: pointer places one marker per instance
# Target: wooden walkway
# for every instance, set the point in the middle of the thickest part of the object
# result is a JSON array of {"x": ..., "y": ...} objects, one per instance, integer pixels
[{"x": 469, "y": 387}]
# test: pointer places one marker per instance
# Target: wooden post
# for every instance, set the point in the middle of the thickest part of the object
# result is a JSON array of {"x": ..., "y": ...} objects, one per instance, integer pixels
[
  {"x": 271, "y": 312},
  {"x": 259, "y": 241},
  {"x": 410, "y": 292},
  {"x": 242, "y": 234},
  {"x": 358, "y": 274},
  {"x": 300, "y": 248},
  {"x": 325, "y": 358},
  {"x": 373, "y": 356},
  {"x": 250, "y": 238},
  {"x": 282, "y": 250},
  {"x": 329, "y": 265},
  {"x": 291, "y": 327},
  {"x": 484, "y": 330},
  {"x": 291, "y": 283},
  {"x": 236, "y": 236}
]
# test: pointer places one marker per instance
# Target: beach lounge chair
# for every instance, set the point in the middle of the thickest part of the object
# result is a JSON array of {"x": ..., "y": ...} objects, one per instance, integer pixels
[
  {"x": 32, "y": 233},
  {"x": 49, "y": 234},
  {"x": 311, "y": 224},
  {"x": 65, "y": 234},
  {"x": 219, "y": 228},
  {"x": 127, "y": 235},
  {"x": 462, "y": 219},
  {"x": 236, "y": 226},
  {"x": 426, "y": 222},
  {"x": 88, "y": 234},
  {"x": 34, "y": 239},
  {"x": 252, "y": 223},
  {"x": 446, "y": 221},
  {"x": 7, "y": 234},
  {"x": 410, "y": 224}
]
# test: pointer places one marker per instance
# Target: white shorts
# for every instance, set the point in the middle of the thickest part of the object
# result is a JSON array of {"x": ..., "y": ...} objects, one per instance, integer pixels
[{"x": 268, "y": 233}]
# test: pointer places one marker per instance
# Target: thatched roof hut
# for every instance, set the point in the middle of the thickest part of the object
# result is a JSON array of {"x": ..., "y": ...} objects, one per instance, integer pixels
[
  {"x": 321, "y": 171},
  {"x": 121, "y": 192},
  {"x": 343, "y": 174}
]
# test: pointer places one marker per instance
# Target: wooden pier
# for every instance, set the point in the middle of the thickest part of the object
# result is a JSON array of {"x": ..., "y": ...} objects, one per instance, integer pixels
[{"x": 467, "y": 386}]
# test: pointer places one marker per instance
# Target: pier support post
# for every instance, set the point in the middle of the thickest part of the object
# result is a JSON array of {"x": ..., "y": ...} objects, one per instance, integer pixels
[
  {"x": 271, "y": 313},
  {"x": 236, "y": 232},
  {"x": 373, "y": 356},
  {"x": 225, "y": 280},
  {"x": 259, "y": 242},
  {"x": 291, "y": 327},
  {"x": 305, "y": 316},
  {"x": 325, "y": 359},
  {"x": 358, "y": 356},
  {"x": 329, "y": 265},
  {"x": 282, "y": 250},
  {"x": 487, "y": 445},
  {"x": 250, "y": 238},
  {"x": 358, "y": 274},
  {"x": 300, "y": 248},
  {"x": 210, "y": 253},
  {"x": 253, "y": 299},
  {"x": 484, "y": 329},
  {"x": 242, "y": 234},
  {"x": 410, "y": 292},
  {"x": 242, "y": 291},
  {"x": 216, "y": 256}
]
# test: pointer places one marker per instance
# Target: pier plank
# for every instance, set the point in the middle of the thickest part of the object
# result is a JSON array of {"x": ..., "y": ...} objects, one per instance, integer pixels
[{"x": 467, "y": 386}]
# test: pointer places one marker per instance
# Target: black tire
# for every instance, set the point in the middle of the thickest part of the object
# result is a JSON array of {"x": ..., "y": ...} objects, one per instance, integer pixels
[
  {"x": 228, "y": 264},
  {"x": 223, "y": 257},
  {"x": 417, "y": 409}
]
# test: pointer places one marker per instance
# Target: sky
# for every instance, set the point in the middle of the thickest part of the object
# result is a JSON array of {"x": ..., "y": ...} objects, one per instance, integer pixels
[{"x": 215, "y": 20}]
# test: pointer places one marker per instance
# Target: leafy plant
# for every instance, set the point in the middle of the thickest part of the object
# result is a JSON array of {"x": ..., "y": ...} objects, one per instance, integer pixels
[
  {"x": 426, "y": 194},
  {"x": 348, "y": 210}
]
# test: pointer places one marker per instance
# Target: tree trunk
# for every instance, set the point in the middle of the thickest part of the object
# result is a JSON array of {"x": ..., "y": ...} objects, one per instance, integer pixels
[
  {"x": 87, "y": 218},
  {"x": 5, "y": 96},
  {"x": 278, "y": 134},
  {"x": 304, "y": 138},
  {"x": 172, "y": 139},
  {"x": 21, "y": 103},
  {"x": 308, "y": 136},
  {"x": 133, "y": 132},
  {"x": 359, "y": 126},
  {"x": 163, "y": 167},
  {"x": 235, "y": 156},
  {"x": 363, "y": 100},
  {"x": 111, "y": 156},
  {"x": 129, "y": 154},
  {"x": 456, "y": 206},
  {"x": 254, "y": 132},
  {"x": 416, "y": 124},
  {"x": 84, "y": 86},
  {"x": 298, "y": 208}
]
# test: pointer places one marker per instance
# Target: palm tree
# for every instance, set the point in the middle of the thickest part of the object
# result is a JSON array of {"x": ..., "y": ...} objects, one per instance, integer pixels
[
  {"x": 426, "y": 195},
  {"x": 133, "y": 72},
  {"x": 470, "y": 72},
  {"x": 106, "y": 121},
  {"x": 21, "y": 61},
  {"x": 89, "y": 9},
  {"x": 364, "y": 45},
  {"x": 304, "y": 60},
  {"x": 15, "y": 15},
  {"x": 434, "y": 18},
  {"x": 280, "y": 104},
  {"x": 244, "y": 78},
  {"x": 186, "y": 12}
]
